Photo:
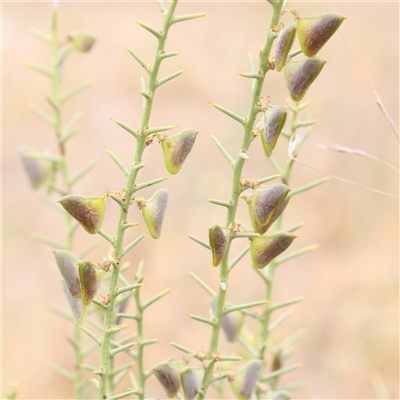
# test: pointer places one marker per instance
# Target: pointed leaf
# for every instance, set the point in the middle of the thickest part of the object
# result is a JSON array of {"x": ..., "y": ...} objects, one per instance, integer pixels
[
  {"x": 68, "y": 266},
  {"x": 219, "y": 239},
  {"x": 88, "y": 211},
  {"x": 264, "y": 249},
  {"x": 283, "y": 45},
  {"x": 314, "y": 32},
  {"x": 176, "y": 148},
  {"x": 299, "y": 75},
  {"x": 153, "y": 212},
  {"x": 90, "y": 276}
]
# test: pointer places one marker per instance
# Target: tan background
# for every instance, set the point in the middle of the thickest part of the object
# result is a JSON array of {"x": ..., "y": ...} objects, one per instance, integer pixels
[{"x": 351, "y": 281}]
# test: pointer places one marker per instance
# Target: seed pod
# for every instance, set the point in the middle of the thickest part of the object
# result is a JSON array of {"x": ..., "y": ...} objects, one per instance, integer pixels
[
  {"x": 245, "y": 380},
  {"x": 90, "y": 276},
  {"x": 191, "y": 379},
  {"x": 219, "y": 239},
  {"x": 37, "y": 171},
  {"x": 153, "y": 211},
  {"x": 176, "y": 148},
  {"x": 265, "y": 201},
  {"x": 68, "y": 266},
  {"x": 88, "y": 211},
  {"x": 231, "y": 324},
  {"x": 168, "y": 376},
  {"x": 314, "y": 32},
  {"x": 275, "y": 118},
  {"x": 79, "y": 310},
  {"x": 82, "y": 41},
  {"x": 265, "y": 248},
  {"x": 283, "y": 45},
  {"x": 275, "y": 214},
  {"x": 299, "y": 75}
]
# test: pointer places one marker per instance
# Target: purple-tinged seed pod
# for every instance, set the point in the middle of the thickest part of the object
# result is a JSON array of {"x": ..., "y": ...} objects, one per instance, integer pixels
[
  {"x": 82, "y": 41},
  {"x": 275, "y": 118},
  {"x": 299, "y": 75},
  {"x": 68, "y": 266},
  {"x": 283, "y": 45},
  {"x": 90, "y": 276},
  {"x": 245, "y": 380},
  {"x": 37, "y": 171},
  {"x": 218, "y": 239},
  {"x": 168, "y": 376},
  {"x": 176, "y": 148},
  {"x": 88, "y": 211},
  {"x": 265, "y": 200},
  {"x": 79, "y": 310},
  {"x": 314, "y": 32},
  {"x": 191, "y": 379},
  {"x": 231, "y": 324},
  {"x": 153, "y": 211},
  {"x": 264, "y": 249}
]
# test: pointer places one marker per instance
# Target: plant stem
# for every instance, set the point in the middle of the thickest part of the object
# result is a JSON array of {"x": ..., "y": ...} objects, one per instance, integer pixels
[
  {"x": 236, "y": 191},
  {"x": 130, "y": 189}
]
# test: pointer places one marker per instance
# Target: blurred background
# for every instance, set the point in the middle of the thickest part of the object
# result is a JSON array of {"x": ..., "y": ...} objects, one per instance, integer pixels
[{"x": 350, "y": 316}]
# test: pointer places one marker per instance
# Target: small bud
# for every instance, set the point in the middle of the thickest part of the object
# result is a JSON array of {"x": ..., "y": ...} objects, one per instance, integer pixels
[
  {"x": 68, "y": 266},
  {"x": 314, "y": 32},
  {"x": 299, "y": 75},
  {"x": 89, "y": 211},
  {"x": 37, "y": 170},
  {"x": 191, "y": 379},
  {"x": 283, "y": 45},
  {"x": 231, "y": 324},
  {"x": 265, "y": 248},
  {"x": 82, "y": 41},
  {"x": 153, "y": 212},
  {"x": 218, "y": 238},
  {"x": 265, "y": 201},
  {"x": 90, "y": 276},
  {"x": 168, "y": 376},
  {"x": 176, "y": 148},
  {"x": 275, "y": 118},
  {"x": 79, "y": 310},
  {"x": 245, "y": 380}
]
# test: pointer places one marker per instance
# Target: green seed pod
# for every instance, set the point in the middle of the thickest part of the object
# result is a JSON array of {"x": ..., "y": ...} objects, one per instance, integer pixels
[
  {"x": 38, "y": 171},
  {"x": 191, "y": 379},
  {"x": 264, "y": 249},
  {"x": 314, "y": 32},
  {"x": 88, "y": 211},
  {"x": 275, "y": 118},
  {"x": 275, "y": 214},
  {"x": 79, "y": 310},
  {"x": 82, "y": 41},
  {"x": 68, "y": 266},
  {"x": 245, "y": 380},
  {"x": 90, "y": 276},
  {"x": 153, "y": 211},
  {"x": 264, "y": 202},
  {"x": 168, "y": 376},
  {"x": 299, "y": 75},
  {"x": 219, "y": 239},
  {"x": 231, "y": 324},
  {"x": 176, "y": 148},
  {"x": 283, "y": 45}
]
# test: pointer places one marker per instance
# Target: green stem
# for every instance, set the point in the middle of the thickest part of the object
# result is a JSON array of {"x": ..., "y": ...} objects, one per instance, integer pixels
[
  {"x": 139, "y": 337},
  {"x": 236, "y": 191},
  {"x": 130, "y": 189},
  {"x": 78, "y": 375}
]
